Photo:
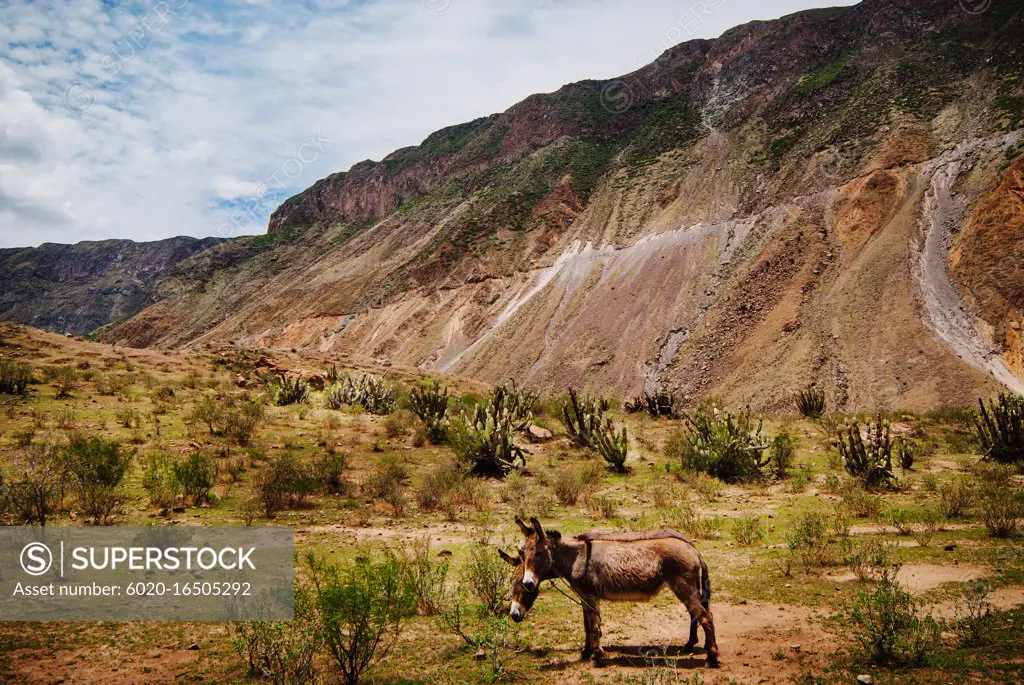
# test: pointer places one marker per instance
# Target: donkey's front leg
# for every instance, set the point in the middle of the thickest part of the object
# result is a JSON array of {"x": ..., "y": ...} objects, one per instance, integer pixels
[{"x": 592, "y": 628}]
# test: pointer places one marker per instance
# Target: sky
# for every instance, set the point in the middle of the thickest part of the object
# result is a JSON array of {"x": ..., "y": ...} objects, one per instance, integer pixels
[{"x": 151, "y": 119}]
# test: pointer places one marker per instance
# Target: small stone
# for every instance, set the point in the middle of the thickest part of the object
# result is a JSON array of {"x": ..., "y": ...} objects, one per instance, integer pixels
[
  {"x": 480, "y": 655},
  {"x": 865, "y": 680},
  {"x": 795, "y": 648},
  {"x": 950, "y": 546},
  {"x": 193, "y": 647}
]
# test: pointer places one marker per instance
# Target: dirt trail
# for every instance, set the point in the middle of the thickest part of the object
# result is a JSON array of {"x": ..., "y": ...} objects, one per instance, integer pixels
[{"x": 942, "y": 215}]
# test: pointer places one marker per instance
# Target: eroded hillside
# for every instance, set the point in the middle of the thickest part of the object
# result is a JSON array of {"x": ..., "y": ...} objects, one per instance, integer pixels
[{"x": 833, "y": 197}]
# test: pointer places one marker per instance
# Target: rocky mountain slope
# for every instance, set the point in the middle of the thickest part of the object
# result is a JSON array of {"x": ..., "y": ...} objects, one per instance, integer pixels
[
  {"x": 833, "y": 197},
  {"x": 78, "y": 288}
]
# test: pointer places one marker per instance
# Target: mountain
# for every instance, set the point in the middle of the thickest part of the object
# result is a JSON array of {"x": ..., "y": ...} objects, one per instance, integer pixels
[
  {"x": 834, "y": 197},
  {"x": 78, "y": 288}
]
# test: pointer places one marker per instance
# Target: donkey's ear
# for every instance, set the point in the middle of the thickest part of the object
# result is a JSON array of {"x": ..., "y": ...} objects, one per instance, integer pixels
[
  {"x": 509, "y": 559},
  {"x": 527, "y": 531},
  {"x": 536, "y": 527}
]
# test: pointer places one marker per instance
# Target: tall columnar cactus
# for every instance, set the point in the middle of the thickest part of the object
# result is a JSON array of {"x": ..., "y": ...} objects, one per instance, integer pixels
[
  {"x": 612, "y": 445},
  {"x": 485, "y": 441},
  {"x": 869, "y": 456},
  {"x": 372, "y": 393},
  {"x": 285, "y": 391},
  {"x": 430, "y": 403},
  {"x": 515, "y": 403},
  {"x": 657, "y": 404},
  {"x": 811, "y": 402},
  {"x": 582, "y": 418},
  {"x": 999, "y": 427}
]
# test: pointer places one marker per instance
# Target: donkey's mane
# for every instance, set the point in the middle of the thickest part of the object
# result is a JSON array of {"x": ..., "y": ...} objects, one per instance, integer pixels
[{"x": 633, "y": 536}]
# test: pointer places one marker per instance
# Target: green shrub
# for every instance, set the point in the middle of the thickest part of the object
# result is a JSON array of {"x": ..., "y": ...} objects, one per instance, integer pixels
[
  {"x": 286, "y": 391},
  {"x": 98, "y": 468},
  {"x": 999, "y": 427},
  {"x": 387, "y": 482},
  {"x": 956, "y": 497},
  {"x": 371, "y": 393},
  {"x": 887, "y": 623},
  {"x": 858, "y": 502},
  {"x": 569, "y": 483},
  {"x": 811, "y": 402},
  {"x": 870, "y": 561},
  {"x": 870, "y": 460},
  {"x": 781, "y": 454},
  {"x": 330, "y": 468},
  {"x": 484, "y": 441},
  {"x": 158, "y": 480},
  {"x": 360, "y": 611},
  {"x": 722, "y": 444},
  {"x": 37, "y": 482},
  {"x": 430, "y": 403},
  {"x": 808, "y": 540},
  {"x": 64, "y": 379},
  {"x": 15, "y": 377},
  {"x": 747, "y": 530},
  {"x": 283, "y": 652},
  {"x": 973, "y": 620},
  {"x": 525, "y": 498},
  {"x": 487, "y": 578},
  {"x": 1000, "y": 503},
  {"x": 397, "y": 424},
  {"x": 241, "y": 419},
  {"x": 129, "y": 417},
  {"x": 426, "y": 576},
  {"x": 195, "y": 476}
]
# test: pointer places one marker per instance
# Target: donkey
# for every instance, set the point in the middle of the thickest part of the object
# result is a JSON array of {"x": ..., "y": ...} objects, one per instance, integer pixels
[{"x": 615, "y": 567}]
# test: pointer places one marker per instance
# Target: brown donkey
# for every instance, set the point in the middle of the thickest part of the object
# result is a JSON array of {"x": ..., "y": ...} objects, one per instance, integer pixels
[{"x": 616, "y": 567}]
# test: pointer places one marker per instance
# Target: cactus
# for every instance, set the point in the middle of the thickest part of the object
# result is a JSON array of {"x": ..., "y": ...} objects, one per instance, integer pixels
[
  {"x": 369, "y": 392},
  {"x": 811, "y": 402},
  {"x": 728, "y": 446},
  {"x": 1000, "y": 428},
  {"x": 869, "y": 460},
  {"x": 430, "y": 403},
  {"x": 613, "y": 445},
  {"x": 484, "y": 441},
  {"x": 582, "y": 418},
  {"x": 285, "y": 391},
  {"x": 515, "y": 403},
  {"x": 657, "y": 404}
]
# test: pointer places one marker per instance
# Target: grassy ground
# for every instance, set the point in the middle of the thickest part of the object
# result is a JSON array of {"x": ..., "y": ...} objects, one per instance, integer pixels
[{"x": 778, "y": 621}]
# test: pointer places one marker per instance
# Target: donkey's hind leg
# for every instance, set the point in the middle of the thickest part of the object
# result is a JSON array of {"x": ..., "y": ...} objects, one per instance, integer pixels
[{"x": 689, "y": 596}]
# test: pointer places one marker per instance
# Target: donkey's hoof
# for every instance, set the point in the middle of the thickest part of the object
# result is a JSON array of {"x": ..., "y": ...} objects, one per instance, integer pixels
[
  {"x": 689, "y": 647},
  {"x": 586, "y": 654},
  {"x": 712, "y": 662}
]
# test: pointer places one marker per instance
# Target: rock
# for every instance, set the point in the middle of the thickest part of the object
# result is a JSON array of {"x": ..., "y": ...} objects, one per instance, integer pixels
[
  {"x": 795, "y": 648},
  {"x": 950, "y": 546},
  {"x": 790, "y": 325},
  {"x": 178, "y": 510},
  {"x": 193, "y": 647},
  {"x": 538, "y": 434},
  {"x": 865, "y": 680},
  {"x": 480, "y": 655}
]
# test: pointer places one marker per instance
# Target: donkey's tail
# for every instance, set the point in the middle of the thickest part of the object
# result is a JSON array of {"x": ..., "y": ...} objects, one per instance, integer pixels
[{"x": 705, "y": 585}]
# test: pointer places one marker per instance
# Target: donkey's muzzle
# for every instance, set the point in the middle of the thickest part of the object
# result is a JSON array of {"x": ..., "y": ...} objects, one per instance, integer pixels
[{"x": 516, "y": 613}]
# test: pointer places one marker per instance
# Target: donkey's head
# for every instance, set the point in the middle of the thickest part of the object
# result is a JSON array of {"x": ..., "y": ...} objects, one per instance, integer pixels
[
  {"x": 538, "y": 554},
  {"x": 522, "y": 599}
]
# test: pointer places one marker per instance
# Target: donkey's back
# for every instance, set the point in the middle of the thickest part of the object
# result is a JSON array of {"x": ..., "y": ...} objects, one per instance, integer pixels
[{"x": 636, "y": 566}]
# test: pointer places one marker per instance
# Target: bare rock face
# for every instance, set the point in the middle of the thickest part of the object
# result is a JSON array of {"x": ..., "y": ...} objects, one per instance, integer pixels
[
  {"x": 740, "y": 218},
  {"x": 78, "y": 288}
]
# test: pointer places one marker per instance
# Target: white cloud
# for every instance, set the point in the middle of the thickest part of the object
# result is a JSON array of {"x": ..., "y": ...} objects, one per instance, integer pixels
[
  {"x": 230, "y": 188},
  {"x": 155, "y": 118}
]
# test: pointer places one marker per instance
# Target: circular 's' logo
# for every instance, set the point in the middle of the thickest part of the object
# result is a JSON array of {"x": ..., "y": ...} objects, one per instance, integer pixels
[{"x": 36, "y": 559}]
